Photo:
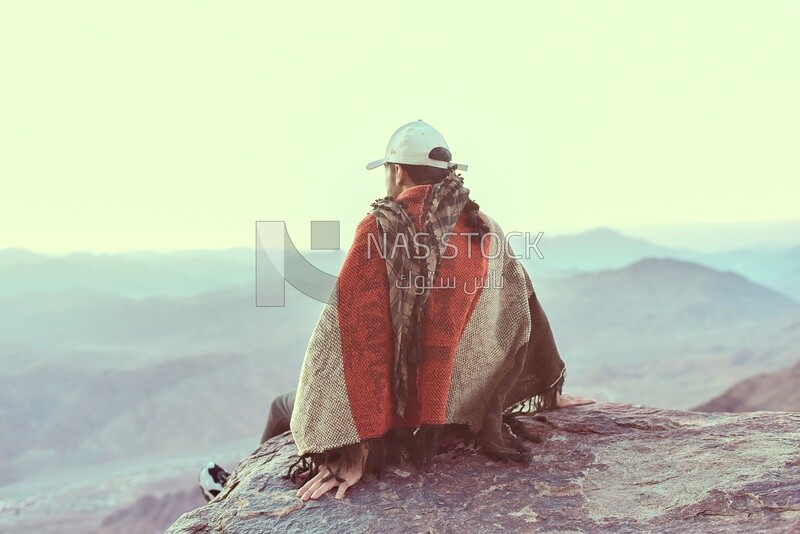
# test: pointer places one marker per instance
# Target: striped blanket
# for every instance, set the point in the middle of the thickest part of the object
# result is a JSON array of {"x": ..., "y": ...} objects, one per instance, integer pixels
[{"x": 406, "y": 349}]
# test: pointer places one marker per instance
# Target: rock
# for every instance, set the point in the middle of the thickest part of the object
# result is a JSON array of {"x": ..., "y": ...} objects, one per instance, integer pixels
[
  {"x": 779, "y": 390},
  {"x": 601, "y": 468}
]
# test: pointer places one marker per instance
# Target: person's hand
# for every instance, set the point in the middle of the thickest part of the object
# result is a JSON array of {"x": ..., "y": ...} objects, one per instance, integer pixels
[
  {"x": 563, "y": 401},
  {"x": 324, "y": 480}
]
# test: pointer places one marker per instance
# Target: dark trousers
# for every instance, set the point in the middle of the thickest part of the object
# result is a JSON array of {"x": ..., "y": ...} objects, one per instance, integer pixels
[{"x": 280, "y": 413}]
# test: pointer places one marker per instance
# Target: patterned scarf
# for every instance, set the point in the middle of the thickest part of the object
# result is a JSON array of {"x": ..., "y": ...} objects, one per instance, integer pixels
[{"x": 418, "y": 262}]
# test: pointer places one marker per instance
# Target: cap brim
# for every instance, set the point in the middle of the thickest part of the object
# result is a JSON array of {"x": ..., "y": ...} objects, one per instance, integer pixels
[{"x": 377, "y": 163}]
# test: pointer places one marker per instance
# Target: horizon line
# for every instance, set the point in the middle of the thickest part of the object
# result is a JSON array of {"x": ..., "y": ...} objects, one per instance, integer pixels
[{"x": 621, "y": 230}]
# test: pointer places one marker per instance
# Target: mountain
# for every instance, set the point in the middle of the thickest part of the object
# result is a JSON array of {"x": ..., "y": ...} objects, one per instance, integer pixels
[
  {"x": 600, "y": 248},
  {"x": 604, "y": 248},
  {"x": 666, "y": 332},
  {"x": 90, "y": 378},
  {"x": 656, "y": 299},
  {"x": 105, "y": 374},
  {"x": 773, "y": 267},
  {"x": 85, "y": 417},
  {"x": 130, "y": 275},
  {"x": 147, "y": 273},
  {"x": 11, "y": 258},
  {"x": 136, "y": 495},
  {"x": 151, "y": 513},
  {"x": 599, "y": 468},
  {"x": 775, "y": 391},
  {"x": 80, "y": 325}
]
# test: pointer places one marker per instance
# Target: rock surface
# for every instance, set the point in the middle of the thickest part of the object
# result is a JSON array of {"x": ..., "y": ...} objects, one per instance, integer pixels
[
  {"x": 778, "y": 391},
  {"x": 601, "y": 468}
]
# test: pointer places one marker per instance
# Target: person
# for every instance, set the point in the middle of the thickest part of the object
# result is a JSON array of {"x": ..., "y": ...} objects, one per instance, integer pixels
[{"x": 433, "y": 334}]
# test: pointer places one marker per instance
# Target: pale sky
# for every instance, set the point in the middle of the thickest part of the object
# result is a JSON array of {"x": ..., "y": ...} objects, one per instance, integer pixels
[{"x": 177, "y": 125}]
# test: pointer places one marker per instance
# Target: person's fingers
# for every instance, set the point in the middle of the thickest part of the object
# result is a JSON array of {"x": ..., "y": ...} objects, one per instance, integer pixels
[
  {"x": 311, "y": 483},
  {"x": 324, "y": 476},
  {"x": 303, "y": 474},
  {"x": 305, "y": 487},
  {"x": 320, "y": 491},
  {"x": 342, "y": 488},
  {"x": 310, "y": 491}
]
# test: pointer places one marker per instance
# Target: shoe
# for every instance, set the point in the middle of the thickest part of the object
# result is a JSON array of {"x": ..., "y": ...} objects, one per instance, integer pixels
[{"x": 212, "y": 480}]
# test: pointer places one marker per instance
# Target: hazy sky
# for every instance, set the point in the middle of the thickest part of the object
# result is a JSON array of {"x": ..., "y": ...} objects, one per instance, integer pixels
[{"x": 175, "y": 125}]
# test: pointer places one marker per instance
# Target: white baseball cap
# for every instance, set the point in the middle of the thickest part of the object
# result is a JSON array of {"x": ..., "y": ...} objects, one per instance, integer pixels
[{"x": 412, "y": 143}]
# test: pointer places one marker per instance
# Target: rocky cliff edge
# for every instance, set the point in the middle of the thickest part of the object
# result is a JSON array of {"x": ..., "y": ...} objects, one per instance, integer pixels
[{"x": 601, "y": 468}]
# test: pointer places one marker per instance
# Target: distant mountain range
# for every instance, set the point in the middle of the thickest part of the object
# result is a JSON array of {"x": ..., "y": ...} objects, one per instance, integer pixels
[
  {"x": 600, "y": 248},
  {"x": 657, "y": 299},
  {"x": 143, "y": 273},
  {"x": 68, "y": 415},
  {"x": 136, "y": 274},
  {"x": 605, "y": 248},
  {"x": 109, "y": 358},
  {"x": 152, "y": 513},
  {"x": 92, "y": 376},
  {"x": 665, "y": 332},
  {"x": 775, "y": 391}
]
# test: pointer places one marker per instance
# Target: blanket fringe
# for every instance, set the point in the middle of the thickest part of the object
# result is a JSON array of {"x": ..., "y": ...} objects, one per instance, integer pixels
[
  {"x": 419, "y": 446},
  {"x": 416, "y": 446},
  {"x": 546, "y": 400}
]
